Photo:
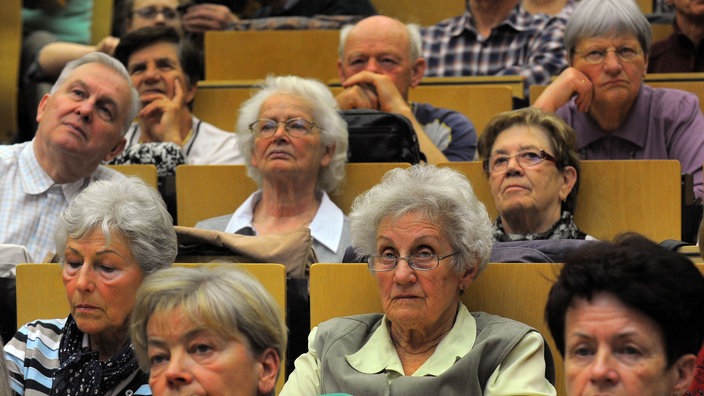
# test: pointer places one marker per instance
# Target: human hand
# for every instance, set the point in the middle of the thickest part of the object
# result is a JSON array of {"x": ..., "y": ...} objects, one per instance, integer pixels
[
  {"x": 388, "y": 97},
  {"x": 358, "y": 97},
  {"x": 571, "y": 82},
  {"x": 107, "y": 45},
  {"x": 200, "y": 18},
  {"x": 162, "y": 116}
]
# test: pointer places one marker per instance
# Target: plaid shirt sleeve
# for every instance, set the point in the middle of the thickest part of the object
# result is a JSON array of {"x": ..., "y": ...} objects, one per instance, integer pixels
[{"x": 523, "y": 44}]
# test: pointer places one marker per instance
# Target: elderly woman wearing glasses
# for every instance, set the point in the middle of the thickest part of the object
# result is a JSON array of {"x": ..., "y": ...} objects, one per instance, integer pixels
[
  {"x": 295, "y": 147},
  {"x": 427, "y": 237},
  {"x": 533, "y": 171},
  {"x": 602, "y": 95}
]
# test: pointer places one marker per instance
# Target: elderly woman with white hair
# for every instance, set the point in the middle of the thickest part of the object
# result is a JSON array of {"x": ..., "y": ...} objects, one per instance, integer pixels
[
  {"x": 295, "y": 147},
  {"x": 112, "y": 235},
  {"x": 427, "y": 237}
]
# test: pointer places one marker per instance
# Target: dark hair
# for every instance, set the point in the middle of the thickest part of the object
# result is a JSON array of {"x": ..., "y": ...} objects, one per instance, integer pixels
[
  {"x": 658, "y": 283},
  {"x": 188, "y": 54},
  {"x": 562, "y": 137}
]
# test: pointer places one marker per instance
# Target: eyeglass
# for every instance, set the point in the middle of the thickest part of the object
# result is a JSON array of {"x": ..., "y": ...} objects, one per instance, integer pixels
[
  {"x": 296, "y": 127},
  {"x": 525, "y": 158},
  {"x": 420, "y": 262},
  {"x": 152, "y": 12},
  {"x": 625, "y": 54}
]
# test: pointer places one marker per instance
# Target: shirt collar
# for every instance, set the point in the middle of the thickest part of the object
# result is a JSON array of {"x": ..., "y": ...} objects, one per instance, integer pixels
[
  {"x": 326, "y": 227},
  {"x": 36, "y": 181},
  {"x": 378, "y": 353},
  {"x": 630, "y": 131}
]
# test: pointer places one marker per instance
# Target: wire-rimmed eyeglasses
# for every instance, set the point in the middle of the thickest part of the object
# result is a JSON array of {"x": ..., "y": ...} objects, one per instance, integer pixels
[
  {"x": 625, "y": 54},
  {"x": 419, "y": 262},
  {"x": 296, "y": 127},
  {"x": 152, "y": 12},
  {"x": 525, "y": 158}
]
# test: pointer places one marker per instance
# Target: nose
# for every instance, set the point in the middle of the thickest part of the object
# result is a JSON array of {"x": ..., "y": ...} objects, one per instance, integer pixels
[
  {"x": 176, "y": 373},
  {"x": 403, "y": 273},
  {"x": 280, "y": 131},
  {"x": 612, "y": 64},
  {"x": 513, "y": 167},
  {"x": 373, "y": 66},
  {"x": 602, "y": 369},
  {"x": 85, "y": 110},
  {"x": 152, "y": 73},
  {"x": 159, "y": 18},
  {"x": 84, "y": 279}
]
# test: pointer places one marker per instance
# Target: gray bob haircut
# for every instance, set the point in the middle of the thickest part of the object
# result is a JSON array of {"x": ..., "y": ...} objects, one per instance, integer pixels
[
  {"x": 226, "y": 300},
  {"x": 607, "y": 18},
  {"x": 333, "y": 129},
  {"x": 109, "y": 61},
  {"x": 123, "y": 208},
  {"x": 443, "y": 195},
  {"x": 415, "y": 42}
]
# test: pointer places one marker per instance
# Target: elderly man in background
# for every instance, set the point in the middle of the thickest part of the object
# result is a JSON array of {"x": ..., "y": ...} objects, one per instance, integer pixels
[
  {"x": 379, "y": 62},
  {"x": 682, "y": 51},
  {"x": 82, "y": 123}
]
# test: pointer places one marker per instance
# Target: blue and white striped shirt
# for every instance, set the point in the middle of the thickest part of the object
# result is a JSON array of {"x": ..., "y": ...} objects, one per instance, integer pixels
[{"x": 32, "y": 358}]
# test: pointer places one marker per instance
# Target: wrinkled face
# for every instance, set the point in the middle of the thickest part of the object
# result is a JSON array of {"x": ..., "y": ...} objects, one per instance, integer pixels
[
  {"x": 84, "y": 118},
  {"x": 535, "y": 191},
  {"x": 159, "y": 19},
  {"x": 101, "y": 283},
  {"x": 614, "y": 80},
  {"x": 381, "y": 46},
  {"x": 155, "y": 71},
  {"x": 611, "y": 349},
  {"x": 413, "y": 298},
  {"x": 281, "y": 153},
  {"x": 188, "y": 359}
]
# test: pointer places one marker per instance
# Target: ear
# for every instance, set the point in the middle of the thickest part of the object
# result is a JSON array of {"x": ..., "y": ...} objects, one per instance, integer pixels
[
  {"x": 569, "y": 178},
  {"x": 191, "y": 93},
  {"x": 42, "y": 107},
  {"x": 328, "y": 152},
  {"x": 417, "y": 71},
  {"x": 468, "y": 276},
  {"x": 683, "y": 372},
  {"x": 340, "y": 71},
  {"x": 270, "y": 364},
  {"x": 117, "y": 149}
]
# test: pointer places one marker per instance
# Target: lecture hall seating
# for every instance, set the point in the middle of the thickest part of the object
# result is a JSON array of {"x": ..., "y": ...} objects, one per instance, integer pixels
[
  {"x": 204, "y": 191},
  {"x": 615, "y": 196},
  {"x": 11, "y": 33},
  {"x": 251, "y": 55}
]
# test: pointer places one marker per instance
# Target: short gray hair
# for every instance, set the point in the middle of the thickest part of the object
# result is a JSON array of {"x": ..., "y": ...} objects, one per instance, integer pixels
[
  {"x": 124, "y": 208},
  {"x": 333, "y": 128},
  {"x": 109, "y": 61},
  {"x": 415, "y": 44},
  {"x": 604, "y": 18},
  {"x": 228, "y": 301},
  {"x": 442, "y": 195}
]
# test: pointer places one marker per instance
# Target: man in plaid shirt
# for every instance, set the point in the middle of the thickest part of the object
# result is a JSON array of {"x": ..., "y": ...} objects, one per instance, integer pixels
[{"x": 496, "y": 38}]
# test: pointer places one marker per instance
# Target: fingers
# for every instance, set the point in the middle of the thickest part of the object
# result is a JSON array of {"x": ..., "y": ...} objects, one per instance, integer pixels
[
  {"x": 357, "y": 97},
  {"x": 203, "y": 17}
]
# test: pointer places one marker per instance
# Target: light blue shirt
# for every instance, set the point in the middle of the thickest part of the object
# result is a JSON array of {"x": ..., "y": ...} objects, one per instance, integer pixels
[{"x": 31, "y": 202}]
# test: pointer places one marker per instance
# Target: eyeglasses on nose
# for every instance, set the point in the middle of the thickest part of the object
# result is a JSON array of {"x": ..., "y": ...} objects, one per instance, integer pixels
[
  {"x": 296, "y": 127},
  {"x": 625, "y": 54},
  {"x": 420, "y": 262},
  {"x": 525, "y": 158},
  {"x": 152, "y": 12}
]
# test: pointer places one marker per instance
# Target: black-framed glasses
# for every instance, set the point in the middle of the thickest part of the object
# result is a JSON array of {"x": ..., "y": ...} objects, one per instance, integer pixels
[
  {"x": 525, "y": 158},
  {"x": 152, "y": 12},
  {"x": 625, "y": 54},
  {"x": 296, "y": 127},
  {"x": 419, "y": 262}
]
